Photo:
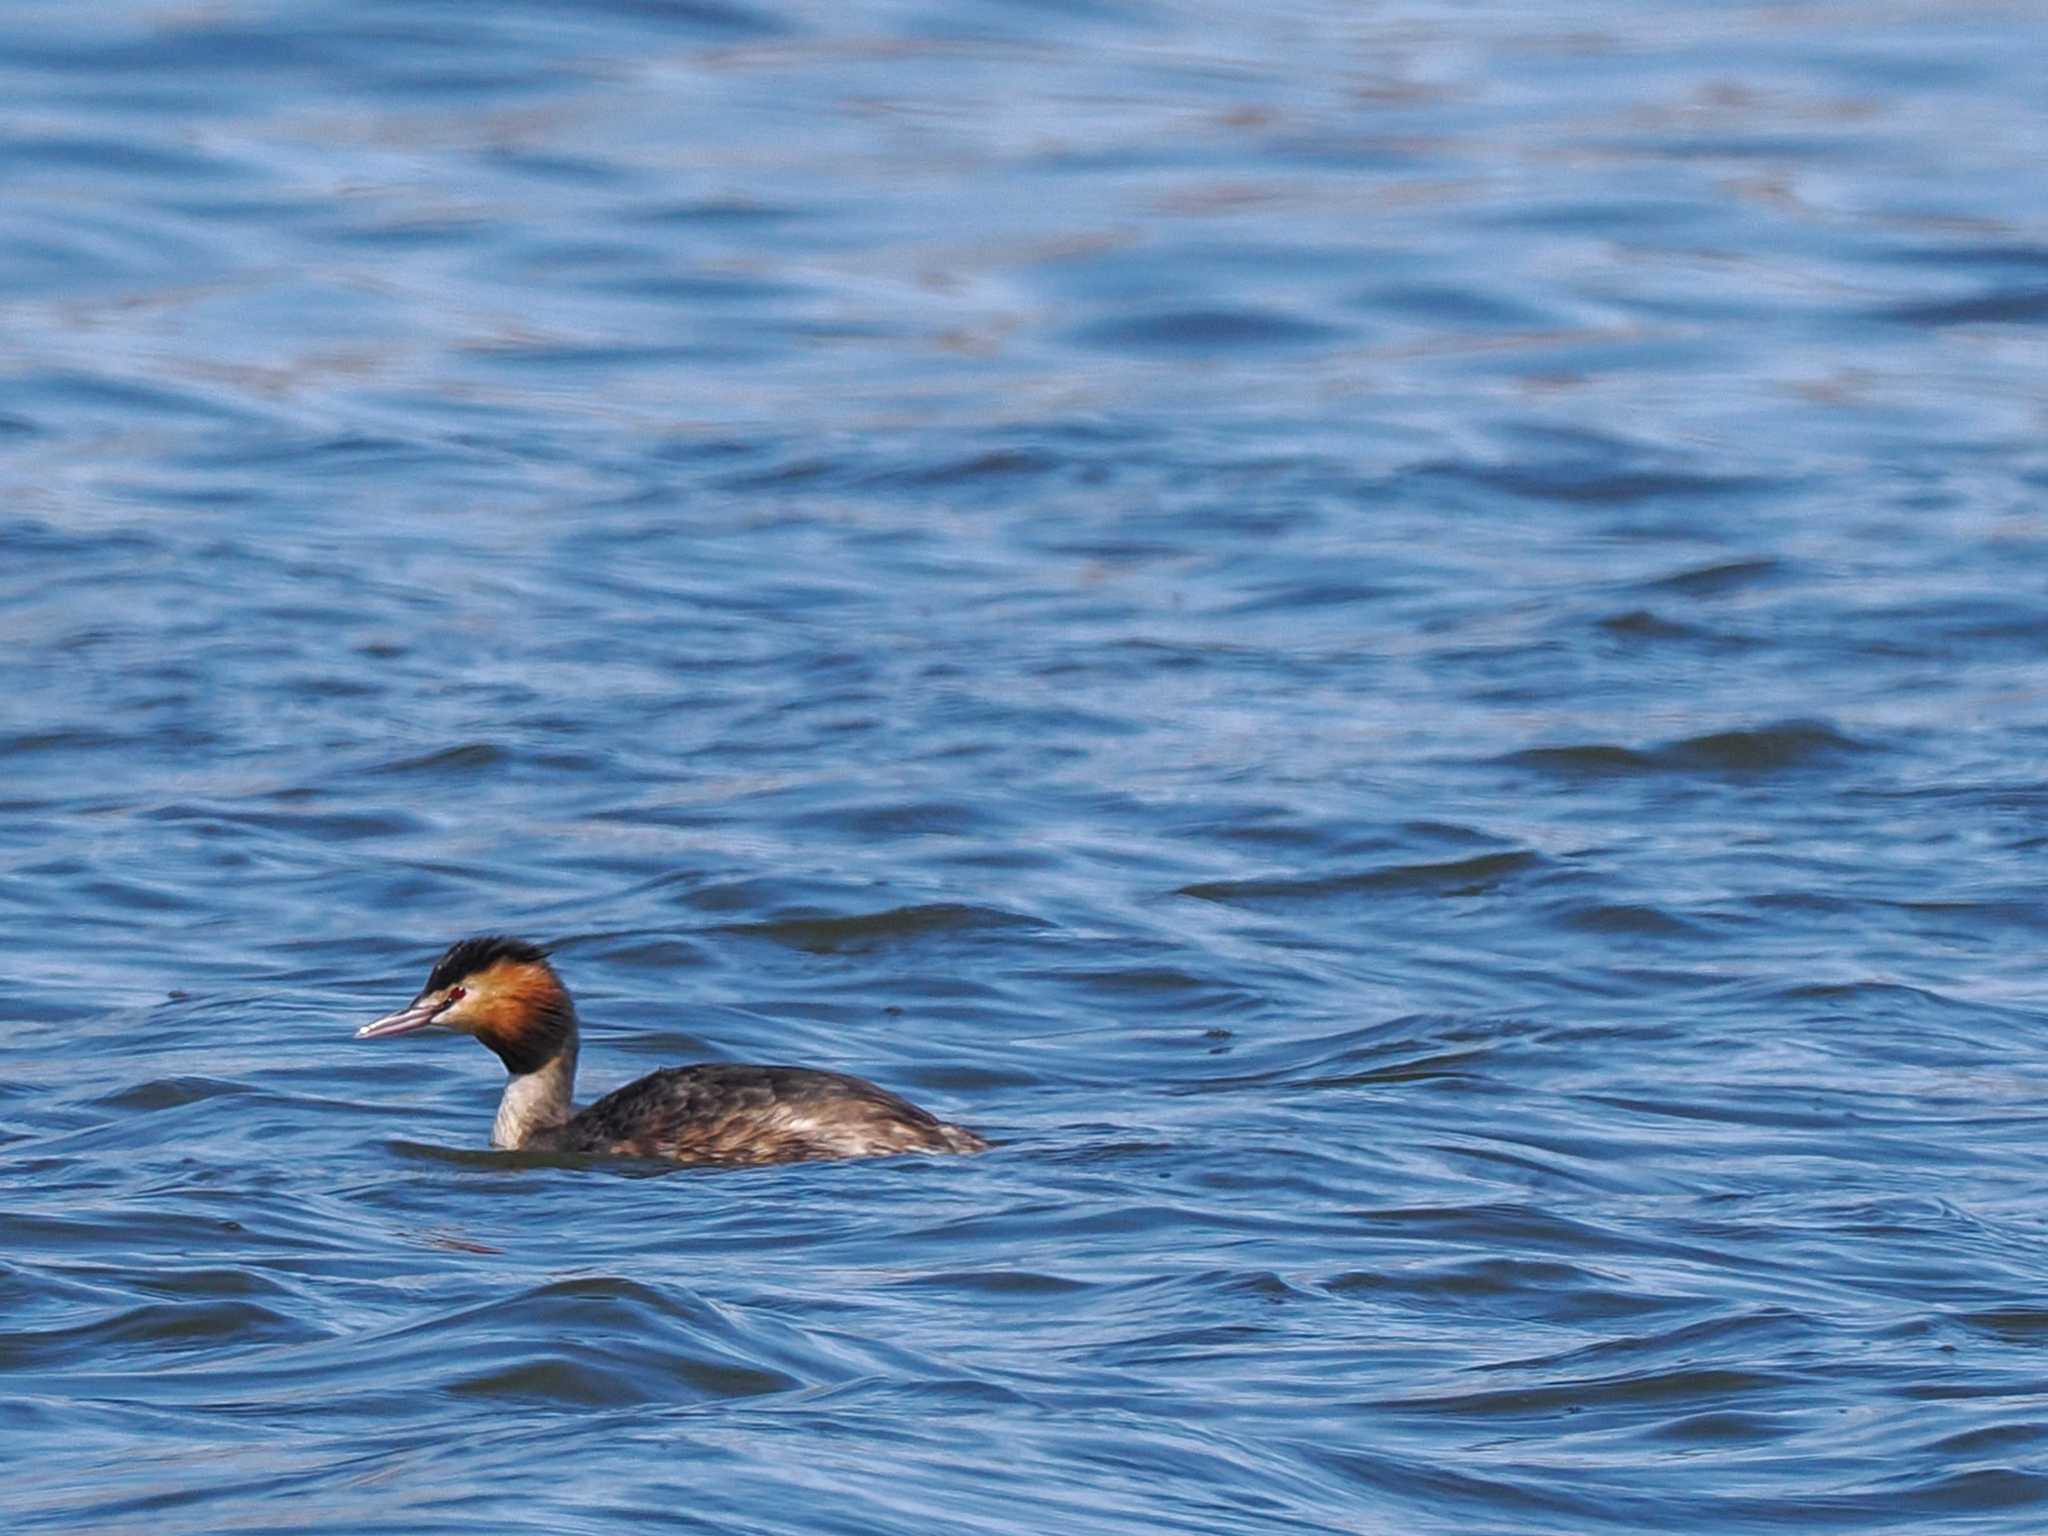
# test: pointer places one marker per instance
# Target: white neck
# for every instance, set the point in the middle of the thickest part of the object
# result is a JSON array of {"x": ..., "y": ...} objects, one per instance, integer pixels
[{"x": 537, "y": 1101}]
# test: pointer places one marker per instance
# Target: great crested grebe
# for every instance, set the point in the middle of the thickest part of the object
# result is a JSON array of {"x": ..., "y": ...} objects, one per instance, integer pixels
[{"x": 504, "y": 992}]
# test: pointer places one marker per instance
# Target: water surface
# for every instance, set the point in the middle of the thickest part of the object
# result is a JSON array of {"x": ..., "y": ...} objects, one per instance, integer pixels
[{"x": 1402, "y": 645}]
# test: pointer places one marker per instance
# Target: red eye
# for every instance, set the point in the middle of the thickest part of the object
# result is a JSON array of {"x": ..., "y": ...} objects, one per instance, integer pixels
[{"x": 456, "y": 994}]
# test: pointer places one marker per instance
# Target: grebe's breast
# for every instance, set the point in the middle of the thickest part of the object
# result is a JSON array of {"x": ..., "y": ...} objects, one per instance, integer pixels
[{"x": 719, "y": 1113}]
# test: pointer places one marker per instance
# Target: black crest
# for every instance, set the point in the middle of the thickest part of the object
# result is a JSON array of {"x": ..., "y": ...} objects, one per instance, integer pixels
[{"x": 466, "y": 956}]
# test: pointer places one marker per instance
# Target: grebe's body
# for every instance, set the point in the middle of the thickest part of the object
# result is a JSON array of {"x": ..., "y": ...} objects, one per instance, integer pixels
[{"x": 504, "y": 992}]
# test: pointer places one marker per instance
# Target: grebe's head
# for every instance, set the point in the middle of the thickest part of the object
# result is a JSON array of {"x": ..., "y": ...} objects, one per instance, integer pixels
[{"x": 501, "y": 990}]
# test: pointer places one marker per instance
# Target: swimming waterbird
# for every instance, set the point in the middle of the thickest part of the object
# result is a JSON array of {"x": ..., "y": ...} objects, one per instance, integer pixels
[{"x": 504, "y": 992}]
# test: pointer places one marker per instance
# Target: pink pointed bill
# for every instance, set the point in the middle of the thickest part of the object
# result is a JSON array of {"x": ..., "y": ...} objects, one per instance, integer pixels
[{"x": 409, "y": 1018}]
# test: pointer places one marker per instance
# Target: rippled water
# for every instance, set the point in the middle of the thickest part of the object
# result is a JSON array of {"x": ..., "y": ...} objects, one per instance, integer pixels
[{"x": 1403, "y": 645}]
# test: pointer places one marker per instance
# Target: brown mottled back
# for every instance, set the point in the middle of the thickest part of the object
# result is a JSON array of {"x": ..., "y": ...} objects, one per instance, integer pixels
[{"x": 757, "y": 1114}]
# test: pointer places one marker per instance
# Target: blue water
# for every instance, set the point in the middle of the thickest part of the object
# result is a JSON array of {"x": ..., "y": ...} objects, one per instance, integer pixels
[{"x": 1405, "y": 646}]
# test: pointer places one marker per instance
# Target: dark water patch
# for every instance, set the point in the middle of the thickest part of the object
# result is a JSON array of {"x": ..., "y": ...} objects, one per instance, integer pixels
[
  {"x": 1628, "y": 919},
  {"x": 1404, "y": 1051},
  {"x": 697, "y": 288},
  {"x": 2018, "y": 256},
  {"x": 1976, "y": 1491},
  {"x": 1267, "y": 825},
  {"x": 159, "y": 1330},
  {"x": 1642, "y": 624},
  {"x": 1995, "y": 1441},
  {"x": 1309, "y": 596},
  {"x": 755, "y": 894},
  {"x": 2008, "y": 306},
  {"x": 988, "y": 467},
  {"x": 330, "y": 825},
  {"x": 1772, "y": 1326},
  {"x": 654, "y": 953},
  {"x": 1788, "y": 747},
  {"x": 1446, "y": 1066},
  {"x": 170, "y": 1093},
  {"x": 1458, "y": 877},
  {"x": 1608, "y": 1400},
  {"x": 68, "y": 740},
  {"x": 1719, "y": 579},
  {"x": 1927, "y": 1025},
  {"x": 1722, "y": 1428},
  {"x": 1018, "y": 1283},
  {"x": 711, "y": 19},
  {"x": 1595, "y": 484},
  {"x": 799, "y": 468},
  {"x": 566, "y": 1382},
  {"x": 1430, "y": 1484},
  {"x": 469, "y": 757},
  {"x": 1163, "y": 990},
  {"x": 1221, "y": 332},
  {"x": 905, "y": 819},
  {"x": 1507, "y": 1287},
  {"x": 1595, "y": 760},
  {"x": 597, "y": 360},
  {"x": 202, "y": 1283},
  {"x": 736, "y": 210},
  {"x": 1441, "y": 305},
  {"x": 1731, "y": 1109},
  {"x": 174, "y": 403},
  {"x": 2022, "y": 1326},
  {"x": 968, "y": 1084},
  {"x": 88, "y": 158},
  {"x": 136, "y": 896},
  {"x": 876, "y": 930},
  {"x": 340, "y": 453},
  {"x": 1528, "y": 1229}
]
